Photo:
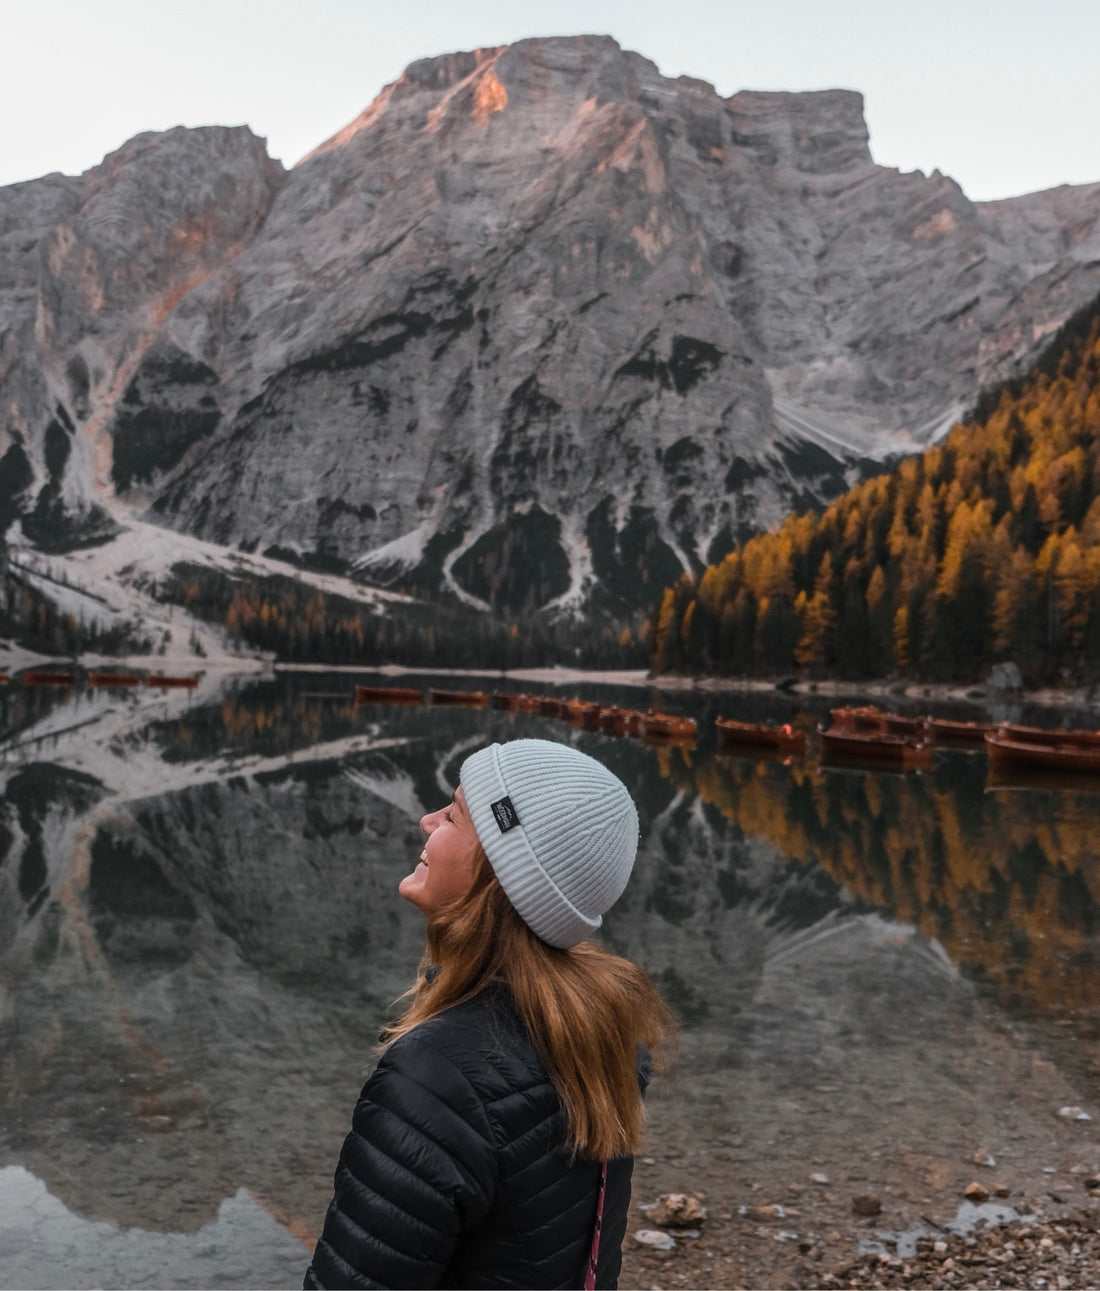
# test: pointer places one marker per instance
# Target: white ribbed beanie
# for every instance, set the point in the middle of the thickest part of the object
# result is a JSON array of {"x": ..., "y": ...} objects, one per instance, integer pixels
[{"x": 559, "y": 829}]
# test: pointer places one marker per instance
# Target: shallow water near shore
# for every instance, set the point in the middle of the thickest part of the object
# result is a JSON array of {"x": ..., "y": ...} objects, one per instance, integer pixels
[{"x": 879, "y": 975}]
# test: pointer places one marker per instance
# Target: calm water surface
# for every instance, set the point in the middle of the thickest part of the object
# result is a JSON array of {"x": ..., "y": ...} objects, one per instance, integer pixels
[{"x": 200, "y": 935}]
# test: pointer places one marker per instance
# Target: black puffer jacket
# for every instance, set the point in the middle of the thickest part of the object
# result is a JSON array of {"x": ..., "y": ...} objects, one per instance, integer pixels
[{"x": 455, "y": 1172}]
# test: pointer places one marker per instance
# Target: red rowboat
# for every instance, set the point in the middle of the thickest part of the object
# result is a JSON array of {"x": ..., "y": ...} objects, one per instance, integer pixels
[
  {"x": 865, "y": 718},
  {"x": 665, "y": 726},
  {"x": 166, "y": 682},
  {"x": 620, "y": 721},
  {"x": 1055, "y": 735},
  {"x": 957, "y": 732},
  {"x": 581, "y": 712},
  {"x": 459, "y": 698},
  {"x": 873, "y": 749},
  {"x": 388, "y": 695},
  {"x": 760, "y": 735},
  {"x": 898, "y": 724},
  {"x": 875, "y": 721},
  {"x": 40, "y": 677},
  {"x": 113, "y": 679},
  {"x": 1006, "y": 753}
]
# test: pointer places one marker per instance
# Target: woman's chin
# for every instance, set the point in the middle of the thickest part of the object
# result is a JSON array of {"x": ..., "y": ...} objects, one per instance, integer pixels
[{"x": 413, "y": 887}]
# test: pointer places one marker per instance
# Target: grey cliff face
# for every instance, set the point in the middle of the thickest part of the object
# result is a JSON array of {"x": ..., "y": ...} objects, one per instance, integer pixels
[
  {"x": 90, "y": 269},
  {"x": 541, "y": 328}
]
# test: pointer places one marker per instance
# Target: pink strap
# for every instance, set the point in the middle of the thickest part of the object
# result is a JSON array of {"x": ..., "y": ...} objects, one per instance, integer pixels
[{"x": 590, "y": 1272}]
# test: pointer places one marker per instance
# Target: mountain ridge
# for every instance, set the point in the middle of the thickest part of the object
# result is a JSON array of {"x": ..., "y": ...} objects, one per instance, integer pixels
[{"x": 540, "y": 329}]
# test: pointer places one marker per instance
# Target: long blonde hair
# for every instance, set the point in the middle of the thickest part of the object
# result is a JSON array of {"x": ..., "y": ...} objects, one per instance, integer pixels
[{"x": 586, "y": 1010}]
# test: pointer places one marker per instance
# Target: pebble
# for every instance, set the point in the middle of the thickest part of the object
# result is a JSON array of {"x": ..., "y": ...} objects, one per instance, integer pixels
[
  {"x": 982, "y": 1157},
  {"x": 655, "y": 1240},
  {"x": 865, "y": 1203},
  {"x": 765, "y": 1212},
  {"x": 818, "y": 1177},
  {"x": 976, "y": 1193},
  {"x": 1074, "y": 1114}
]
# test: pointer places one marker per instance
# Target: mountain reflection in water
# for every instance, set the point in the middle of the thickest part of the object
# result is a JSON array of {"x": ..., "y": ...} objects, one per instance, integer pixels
[{"x": 200, "y": 934}]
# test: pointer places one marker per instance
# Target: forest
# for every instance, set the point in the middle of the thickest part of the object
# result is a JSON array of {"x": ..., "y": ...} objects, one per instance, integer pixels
[
  {"x": 982, "y": 549},
  {"x": 298, "y": 622}
]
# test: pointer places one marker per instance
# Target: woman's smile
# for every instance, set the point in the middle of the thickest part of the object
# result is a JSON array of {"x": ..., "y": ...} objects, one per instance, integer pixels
[{"x": 448, "y": 863}]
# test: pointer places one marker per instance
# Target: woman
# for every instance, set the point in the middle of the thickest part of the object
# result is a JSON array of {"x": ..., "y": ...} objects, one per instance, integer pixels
[{"x": 492, "y": 1145}]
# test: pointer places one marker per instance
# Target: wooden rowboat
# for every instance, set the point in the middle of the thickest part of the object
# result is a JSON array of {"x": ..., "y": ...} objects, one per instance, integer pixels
[
  {"x": 113, "y": 679},
  {"x": 527, "y": 703},
  {"x": 42, "y": 677},
  {"x": 1057, "y": 735},
  {"x": 503, "y": 699},
  {"x": 620, "y": 721},
  {"x": 551, "y": 706},
  {"x": 874, "y": 720},
  {"x": 167, "y": 682},
  {"x": 388, "y": 695},
  {"x": 948, "y": 732},
  {"x": 869, "y": 749},
  {"x": 899, "y": 724},
  {"x": 1006, "y": 753},
  {"x": 865, "y": 718},
  {"x": 581, "y": 712},
  {"x": 666, "y": 726},
  {"x": 759, "y": 735},
  {"x": 459, "y": 698}
]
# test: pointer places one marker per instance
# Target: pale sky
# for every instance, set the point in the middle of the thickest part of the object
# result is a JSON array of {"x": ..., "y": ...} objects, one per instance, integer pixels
[{"x": 1002, "y": 95}]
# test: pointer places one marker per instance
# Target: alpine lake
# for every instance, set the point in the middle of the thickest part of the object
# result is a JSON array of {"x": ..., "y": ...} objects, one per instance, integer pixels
[{"x": 889, "y": 981}]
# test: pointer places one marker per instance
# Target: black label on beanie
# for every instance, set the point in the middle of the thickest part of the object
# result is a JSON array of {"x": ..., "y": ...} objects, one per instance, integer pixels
[{"x": 504, "y": 814}]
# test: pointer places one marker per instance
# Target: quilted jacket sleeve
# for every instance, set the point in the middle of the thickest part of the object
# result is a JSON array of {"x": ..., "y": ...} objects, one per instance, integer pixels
[{"x": 417, "y": 1170}]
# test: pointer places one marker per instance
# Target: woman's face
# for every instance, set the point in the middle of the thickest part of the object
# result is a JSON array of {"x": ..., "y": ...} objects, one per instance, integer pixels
[{"x": 448, "y": 863}]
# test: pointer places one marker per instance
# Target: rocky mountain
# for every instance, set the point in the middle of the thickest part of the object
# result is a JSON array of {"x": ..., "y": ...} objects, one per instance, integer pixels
[
  {"x": 90, "y": 269},
  {"x": 540, "y": 328}
]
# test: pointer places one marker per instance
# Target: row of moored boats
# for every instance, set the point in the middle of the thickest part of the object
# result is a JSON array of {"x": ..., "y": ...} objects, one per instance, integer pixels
[
  {"x": 866, "y": 734},
  {"x": 873, "y": 734},
  {"x": 118, "y": 680},
  {"x": 578, "y": 712}
]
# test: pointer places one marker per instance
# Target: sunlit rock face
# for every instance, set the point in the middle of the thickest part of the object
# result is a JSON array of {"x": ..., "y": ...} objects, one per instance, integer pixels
[
  {"x": 90, "y": 267},
  {"x": 541, "y": 327}
]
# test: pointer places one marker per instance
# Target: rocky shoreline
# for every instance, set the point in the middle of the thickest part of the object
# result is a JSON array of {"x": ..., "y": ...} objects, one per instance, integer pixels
[
  {"x": 890, "y": 690},
  {"x": 902, "y": 1155},
  {"x": 1053, "y": 1245}
]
